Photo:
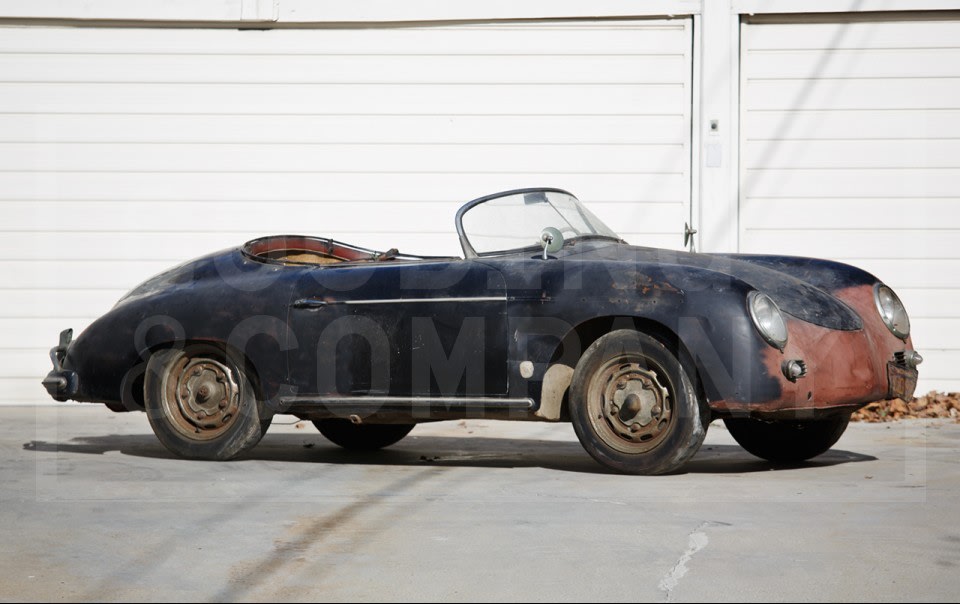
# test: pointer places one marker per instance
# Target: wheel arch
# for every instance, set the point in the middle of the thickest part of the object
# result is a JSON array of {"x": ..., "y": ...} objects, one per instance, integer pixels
[
  {"x": 132, "y": 393},
  {"x": 582, "y": 335},
  {"x": 578, "y": 339}
]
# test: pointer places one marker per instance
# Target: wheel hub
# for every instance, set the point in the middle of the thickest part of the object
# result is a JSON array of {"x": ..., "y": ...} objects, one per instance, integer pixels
[
  {"x": 636, "y": 405},
  {"x": 207, "y": 395},
  {"x": 632, "y": 406}
]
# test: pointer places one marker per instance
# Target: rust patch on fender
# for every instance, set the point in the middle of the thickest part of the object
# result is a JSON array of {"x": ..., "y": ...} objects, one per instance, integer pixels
[
  {"x": 646, "y": 284},
  {"x": 845, "y": 369}
]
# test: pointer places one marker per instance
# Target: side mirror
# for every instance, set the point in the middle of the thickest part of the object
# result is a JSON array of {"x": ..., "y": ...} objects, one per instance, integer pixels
[{"x": 552, "y": 241}]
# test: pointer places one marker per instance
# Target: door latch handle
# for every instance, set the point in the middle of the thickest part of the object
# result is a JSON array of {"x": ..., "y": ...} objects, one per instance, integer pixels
[{"x": 309, "y": 304}]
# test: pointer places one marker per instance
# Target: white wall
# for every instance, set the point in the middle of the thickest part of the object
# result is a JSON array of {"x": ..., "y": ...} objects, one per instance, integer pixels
[
  {"x": 850, "y": 144},
  {"x": 128, "y": 150}
]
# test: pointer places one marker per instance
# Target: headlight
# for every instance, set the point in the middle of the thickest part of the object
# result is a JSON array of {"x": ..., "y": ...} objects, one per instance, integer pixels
[
  {"x": 766, "y": 316},
  {"x": 892, "y": 312}
]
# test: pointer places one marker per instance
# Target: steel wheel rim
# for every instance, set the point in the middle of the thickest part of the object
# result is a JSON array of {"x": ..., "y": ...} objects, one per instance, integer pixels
[
  {"x": 201, "y": 397},
  {"x": 630, "y": 404}
]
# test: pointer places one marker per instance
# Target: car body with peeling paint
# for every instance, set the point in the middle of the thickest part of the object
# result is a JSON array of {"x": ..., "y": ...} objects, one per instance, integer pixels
[{"x": 548, "y": 316}]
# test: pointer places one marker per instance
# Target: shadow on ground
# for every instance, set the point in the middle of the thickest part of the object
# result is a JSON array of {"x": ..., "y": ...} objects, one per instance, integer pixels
[{"x": 444, "y": 451}]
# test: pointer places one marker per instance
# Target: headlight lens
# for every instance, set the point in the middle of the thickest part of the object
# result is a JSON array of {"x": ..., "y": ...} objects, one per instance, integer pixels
[
  {"x": 766, "y": 316},
  {"x": 891, "y": 310}
]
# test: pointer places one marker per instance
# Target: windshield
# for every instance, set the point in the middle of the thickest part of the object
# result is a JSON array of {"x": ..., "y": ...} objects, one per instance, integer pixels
[{"x": 516, "y": 219}]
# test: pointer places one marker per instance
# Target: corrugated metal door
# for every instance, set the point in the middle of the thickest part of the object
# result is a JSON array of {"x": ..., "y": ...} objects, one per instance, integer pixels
[
  {"x": 124, "y": 151},
  {"x": 850, "y": 149}
]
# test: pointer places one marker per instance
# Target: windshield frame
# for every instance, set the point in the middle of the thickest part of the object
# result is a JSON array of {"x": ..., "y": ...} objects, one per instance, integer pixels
[{"x": 468, "y": 249}]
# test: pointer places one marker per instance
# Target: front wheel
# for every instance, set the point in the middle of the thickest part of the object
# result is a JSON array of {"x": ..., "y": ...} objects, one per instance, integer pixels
[
  {"x": 201, "y": 404},
  {"x": 633, "y": 406},
  {"x": 361, "y": 437},
  {"x": 787, "y": 441}
]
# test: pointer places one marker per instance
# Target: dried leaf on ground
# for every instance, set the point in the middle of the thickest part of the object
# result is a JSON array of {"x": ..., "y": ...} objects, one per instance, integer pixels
[{"x": 931, "y": 405}]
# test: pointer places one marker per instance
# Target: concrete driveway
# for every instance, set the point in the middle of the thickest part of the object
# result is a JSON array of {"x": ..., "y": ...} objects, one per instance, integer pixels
[{"x": 92, "y": 507}]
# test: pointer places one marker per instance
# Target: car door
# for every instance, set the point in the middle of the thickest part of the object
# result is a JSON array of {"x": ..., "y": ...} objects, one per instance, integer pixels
[
  {"x": 399, "y": 328},
  {"x": 545, "y": 301}
]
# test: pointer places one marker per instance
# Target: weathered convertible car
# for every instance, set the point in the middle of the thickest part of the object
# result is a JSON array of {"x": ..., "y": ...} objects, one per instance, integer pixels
[{"x": 549, "y": 316}]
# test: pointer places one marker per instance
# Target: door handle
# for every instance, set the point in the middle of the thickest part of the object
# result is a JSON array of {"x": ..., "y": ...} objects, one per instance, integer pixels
[{"x": 309, "y": 304}]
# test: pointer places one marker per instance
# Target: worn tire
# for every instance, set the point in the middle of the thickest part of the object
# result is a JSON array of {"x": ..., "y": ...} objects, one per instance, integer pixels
[
  {"x": 201, "y": 403},
  {"x": 634, "y": 407},
  {"x": 361, "y": 437},
  {"x": 787, "y": 441}
]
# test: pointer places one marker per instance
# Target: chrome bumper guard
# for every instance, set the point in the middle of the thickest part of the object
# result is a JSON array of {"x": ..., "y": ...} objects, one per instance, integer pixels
[{"x": 60, "y": 383}]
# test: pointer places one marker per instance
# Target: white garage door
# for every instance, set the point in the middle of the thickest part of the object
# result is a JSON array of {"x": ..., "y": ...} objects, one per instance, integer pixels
[
  {"x": 123, "y": 151},
  {"x": 850, "y": 149}
]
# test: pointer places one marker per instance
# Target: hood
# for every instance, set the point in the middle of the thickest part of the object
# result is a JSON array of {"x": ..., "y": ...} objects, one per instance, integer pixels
[{"x": 801, "y": 287}]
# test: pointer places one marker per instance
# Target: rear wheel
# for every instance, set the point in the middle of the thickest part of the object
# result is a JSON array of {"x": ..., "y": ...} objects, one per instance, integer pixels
[
  {"x": 787, "y": 441},
  {"x": 633, "y": 406},
  {"x": 361, "y": 437},
  {"x": 201, "y": 403}
]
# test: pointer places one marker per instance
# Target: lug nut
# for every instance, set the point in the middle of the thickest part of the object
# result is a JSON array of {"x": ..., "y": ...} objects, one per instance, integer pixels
[
  {"x": 614, "y": 409},
  {"x": 656, "y": 410},
  {"x": 635, "y": 428}
]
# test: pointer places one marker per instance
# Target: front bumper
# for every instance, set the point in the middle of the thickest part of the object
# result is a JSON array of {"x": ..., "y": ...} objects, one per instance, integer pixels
[{"x": 62, "y": 384}]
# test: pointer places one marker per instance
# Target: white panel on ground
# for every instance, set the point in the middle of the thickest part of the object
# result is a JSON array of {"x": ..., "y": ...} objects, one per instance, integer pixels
[
  {"x": 850, "y": 132},
  {"x": 125, "y": 151}
]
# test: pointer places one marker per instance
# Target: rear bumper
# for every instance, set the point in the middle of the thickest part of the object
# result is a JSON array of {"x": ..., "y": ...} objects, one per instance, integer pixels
[{"x": 61, "y": 384}]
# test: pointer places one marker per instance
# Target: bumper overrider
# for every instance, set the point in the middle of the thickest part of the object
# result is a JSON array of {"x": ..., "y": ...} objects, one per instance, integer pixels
[
  {"x": 62, "y": 384},
  {"x": 902, "y": 374}
]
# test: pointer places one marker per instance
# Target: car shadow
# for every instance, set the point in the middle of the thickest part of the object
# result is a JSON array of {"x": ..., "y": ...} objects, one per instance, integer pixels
[{"x": 443, "y": 451}]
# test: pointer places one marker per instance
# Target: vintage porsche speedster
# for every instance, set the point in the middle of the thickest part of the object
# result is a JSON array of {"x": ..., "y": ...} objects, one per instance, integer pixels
[{"x": 549, "y": 316}]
